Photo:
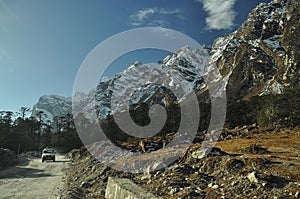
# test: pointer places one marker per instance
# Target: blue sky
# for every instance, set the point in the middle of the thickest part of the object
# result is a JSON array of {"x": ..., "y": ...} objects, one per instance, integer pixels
[{"x": 43, "y": 43}]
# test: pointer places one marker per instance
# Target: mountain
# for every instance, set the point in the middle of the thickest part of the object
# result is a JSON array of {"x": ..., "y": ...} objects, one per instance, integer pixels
[
  {"x": 52, "y": 105},
  {"x": 258, "y": 59},
  {"x": 185, "y": 64},
  {"x": 262, "y": 56}
]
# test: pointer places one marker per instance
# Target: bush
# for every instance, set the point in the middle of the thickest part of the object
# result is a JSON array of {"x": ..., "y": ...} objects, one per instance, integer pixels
[{"x": 7, "y": 158}]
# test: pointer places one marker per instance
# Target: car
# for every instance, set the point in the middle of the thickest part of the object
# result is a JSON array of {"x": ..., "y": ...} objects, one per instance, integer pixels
[{"x": 48, "y": 154}]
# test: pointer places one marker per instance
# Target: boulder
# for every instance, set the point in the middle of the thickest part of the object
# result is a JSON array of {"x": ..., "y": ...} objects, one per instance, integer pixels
[{"x": 252, "y": 177}]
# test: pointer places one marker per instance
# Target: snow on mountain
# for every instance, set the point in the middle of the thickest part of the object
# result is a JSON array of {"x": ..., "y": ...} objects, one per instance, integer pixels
[
  {"x": 150, "y": 84},
  {"x": 52, "y": 105}
]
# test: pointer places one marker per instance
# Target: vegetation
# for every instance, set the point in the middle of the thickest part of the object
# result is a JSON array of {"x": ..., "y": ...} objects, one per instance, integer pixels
[
  {"x": 268, "y": 111},
  {"x": 20, "y": 133}
]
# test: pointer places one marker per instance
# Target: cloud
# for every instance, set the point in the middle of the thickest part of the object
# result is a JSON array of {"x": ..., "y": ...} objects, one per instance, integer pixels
[
  {"x": 221, "y": 13},
  {"x": 154, "y": 17}
]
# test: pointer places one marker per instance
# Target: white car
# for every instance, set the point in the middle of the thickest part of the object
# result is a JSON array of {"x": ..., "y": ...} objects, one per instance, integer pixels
[{"x": 48, "y": 154}]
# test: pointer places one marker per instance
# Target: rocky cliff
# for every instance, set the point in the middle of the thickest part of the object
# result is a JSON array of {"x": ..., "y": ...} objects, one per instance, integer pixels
[{"x": 262, "y": 56}]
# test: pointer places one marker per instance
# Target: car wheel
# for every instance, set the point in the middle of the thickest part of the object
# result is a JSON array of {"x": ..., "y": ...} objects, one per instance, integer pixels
[
  {"x": 43, "y": 160},
  {"x": 53, "y": 159}
]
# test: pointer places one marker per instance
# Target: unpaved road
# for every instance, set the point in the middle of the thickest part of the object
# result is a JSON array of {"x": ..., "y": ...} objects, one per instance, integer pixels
[{"x": 34, "y": 179}]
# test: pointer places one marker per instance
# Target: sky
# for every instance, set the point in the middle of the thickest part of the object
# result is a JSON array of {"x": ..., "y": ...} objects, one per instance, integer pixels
[{"x": 43, "y": 43}]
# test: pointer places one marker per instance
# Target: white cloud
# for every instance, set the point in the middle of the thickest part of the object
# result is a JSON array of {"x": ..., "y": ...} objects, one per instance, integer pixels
[
  {"x": 221, "y": 13},
  {"x": 141, "y": 15},
  {"x": 154, "y": 17}
]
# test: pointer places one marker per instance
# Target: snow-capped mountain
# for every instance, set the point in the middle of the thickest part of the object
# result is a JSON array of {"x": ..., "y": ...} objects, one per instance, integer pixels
[
  {"x": 51, "y": 106},
  {"x": 259, "y": 58},
  {"x": 147, "y": 84}
]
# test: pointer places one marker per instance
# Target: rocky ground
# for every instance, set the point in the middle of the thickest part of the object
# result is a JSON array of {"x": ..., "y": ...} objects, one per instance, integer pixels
[{"x": 247, "y": 162}]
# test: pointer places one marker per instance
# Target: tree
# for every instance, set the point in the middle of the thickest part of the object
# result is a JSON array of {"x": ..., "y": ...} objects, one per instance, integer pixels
[
  {"x": 47, "y": 135},
  {"x": 27, "y": 134},
  {"x": 268, "y": 115},
  {"x": 24, "y": 111},
  {"x": 8, "y": 118},
  {"x": 39, "y": 131}
]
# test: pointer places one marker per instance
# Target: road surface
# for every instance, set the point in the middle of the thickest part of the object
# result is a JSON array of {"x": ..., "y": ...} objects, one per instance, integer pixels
[{"x": 34, "y": 179}]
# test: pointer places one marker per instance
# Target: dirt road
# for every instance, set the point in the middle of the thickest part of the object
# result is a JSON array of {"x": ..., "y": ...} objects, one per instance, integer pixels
[{"x": 34, "y": 179}]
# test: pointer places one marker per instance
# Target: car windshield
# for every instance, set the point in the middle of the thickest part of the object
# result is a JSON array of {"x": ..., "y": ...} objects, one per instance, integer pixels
[{"x": 48, "y": 151}]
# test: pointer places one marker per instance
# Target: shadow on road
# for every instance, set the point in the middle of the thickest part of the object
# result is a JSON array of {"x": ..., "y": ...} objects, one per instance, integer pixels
[{"x": 20, "y": 172}]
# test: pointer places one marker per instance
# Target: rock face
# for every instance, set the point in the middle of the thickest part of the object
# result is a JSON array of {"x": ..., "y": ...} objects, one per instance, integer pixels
[
  {"x": 52, "y": 105},
  {"x": 262, "y": 56}
]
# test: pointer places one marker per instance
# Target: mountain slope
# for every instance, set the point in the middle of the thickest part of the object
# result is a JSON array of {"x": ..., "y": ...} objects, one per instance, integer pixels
[{"x": 262, "y": 56}]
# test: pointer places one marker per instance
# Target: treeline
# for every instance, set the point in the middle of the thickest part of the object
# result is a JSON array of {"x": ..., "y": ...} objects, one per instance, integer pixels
[
  {"x": 269, "y": 111},
  {"x": 21, "y": 133}
]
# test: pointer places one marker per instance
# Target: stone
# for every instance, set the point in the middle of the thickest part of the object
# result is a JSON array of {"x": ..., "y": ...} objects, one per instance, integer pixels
[
  {"x": 125, "y": 188},
  {"x": 199, "y": 154},
  {"x": 146, "y": 177},
  {"x": 173, "y": 190},
  {"x": 252, "y": 177},
  {"x": 85, "y": 185},
  {"x": 215, "y": 186},
  {"x": 297, "y": 194}
]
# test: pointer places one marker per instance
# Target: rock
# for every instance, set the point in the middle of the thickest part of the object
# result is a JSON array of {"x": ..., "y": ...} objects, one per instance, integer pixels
[
  {"x": 125, "y": 188},
  {"x": 215, "y": 186},
  {"x": 235, "y": 164},
  {"x": 297, "y": 194},
  {"x": 146, "y": 177},
  {"x": 85, "y": 185},
  {"x": 173, "y": 190},
  {"x": 252, "y": 177},
  {"x": 158, "y": 166},
  {"x": 201, "y": 153}
]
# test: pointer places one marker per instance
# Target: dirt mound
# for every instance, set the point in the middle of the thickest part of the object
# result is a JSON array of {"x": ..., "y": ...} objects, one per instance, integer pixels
[{"x": 7, "y": 158}]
